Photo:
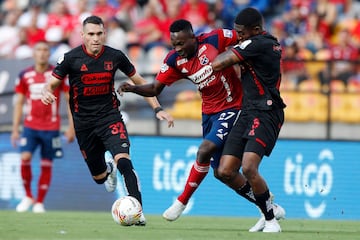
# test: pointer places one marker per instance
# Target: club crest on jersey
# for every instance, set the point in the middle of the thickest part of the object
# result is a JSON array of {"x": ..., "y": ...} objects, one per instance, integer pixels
[
  {"x": 203, "y": 60},
  {"x": 108, "y": 66}
]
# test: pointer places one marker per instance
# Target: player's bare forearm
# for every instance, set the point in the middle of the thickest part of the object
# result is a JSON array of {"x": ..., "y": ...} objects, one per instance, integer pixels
[
  {"x": 224, "y": 60},
  {"x": 145, "y": 90}
]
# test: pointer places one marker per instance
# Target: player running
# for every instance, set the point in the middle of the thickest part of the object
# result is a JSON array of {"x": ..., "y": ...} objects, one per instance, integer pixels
[
  {"x": 99, "y": 125},
  {"x": 221, "y": 94}
]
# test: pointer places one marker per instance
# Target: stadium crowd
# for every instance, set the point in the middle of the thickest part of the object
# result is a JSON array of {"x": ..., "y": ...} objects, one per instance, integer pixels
[{"x": 307, "y": 29}]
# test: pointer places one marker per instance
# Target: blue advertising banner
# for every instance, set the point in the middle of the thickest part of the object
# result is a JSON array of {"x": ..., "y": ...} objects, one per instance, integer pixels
[{"x": 310, "y": 179}]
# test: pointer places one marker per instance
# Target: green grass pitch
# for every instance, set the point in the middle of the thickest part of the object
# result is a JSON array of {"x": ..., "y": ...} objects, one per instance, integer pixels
[{"x": 55, "y": 225}]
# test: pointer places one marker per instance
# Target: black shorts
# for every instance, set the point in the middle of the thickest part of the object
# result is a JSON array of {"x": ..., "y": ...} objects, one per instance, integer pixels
[
  {"x": 255, "y": 131},
  {"x": 108, "y": 134}
]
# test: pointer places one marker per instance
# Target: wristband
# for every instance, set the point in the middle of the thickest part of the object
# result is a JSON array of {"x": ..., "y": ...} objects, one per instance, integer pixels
[{"x": 158, "y": 109}]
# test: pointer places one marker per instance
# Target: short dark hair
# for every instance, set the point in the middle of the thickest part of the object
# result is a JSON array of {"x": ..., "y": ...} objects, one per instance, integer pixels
[
  {"x": 94, "y": 20},
  {"x": 181, "y": 25},
  {"x": 249, "y": 17}
]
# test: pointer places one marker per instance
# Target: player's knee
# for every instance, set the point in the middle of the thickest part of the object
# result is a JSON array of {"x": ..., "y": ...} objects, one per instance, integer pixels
[
  {"x": 203, "y": 156},
  {"x": 249, "y": 171},
  {"x": 225, "y": 174}
]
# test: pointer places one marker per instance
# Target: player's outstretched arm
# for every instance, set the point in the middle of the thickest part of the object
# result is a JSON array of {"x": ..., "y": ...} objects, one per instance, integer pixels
[{"x": 149, "y": 91}]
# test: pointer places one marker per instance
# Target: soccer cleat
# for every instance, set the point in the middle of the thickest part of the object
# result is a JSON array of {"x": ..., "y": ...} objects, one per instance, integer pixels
[
  {"x": 25, "y": 204},
  {"x": 38, "y": 208},
  {"x": 111, "y": 181},
  {"x": 174, "y": 211},
  {"x": 142, "y": 220},
  {"x": 272, "y": 226},
  {"x": 279, "y": 213}
]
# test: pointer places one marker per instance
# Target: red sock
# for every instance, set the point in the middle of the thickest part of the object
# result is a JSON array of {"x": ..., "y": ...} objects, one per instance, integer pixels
[
  {"x": 26, "y": 176},
  {"x": 197, "y": 174},
  {"x": 44, "y": 180}
]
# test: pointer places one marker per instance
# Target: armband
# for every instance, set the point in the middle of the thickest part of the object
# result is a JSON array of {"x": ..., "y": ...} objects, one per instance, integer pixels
[{"x": 158, "y": 109}]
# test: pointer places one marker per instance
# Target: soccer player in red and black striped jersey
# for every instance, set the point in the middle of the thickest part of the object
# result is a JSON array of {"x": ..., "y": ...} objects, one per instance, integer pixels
[
  {"x": 98, "y": 123},
  {"x": 257, "y": 129},
  {"x": 41, "y": 127}
]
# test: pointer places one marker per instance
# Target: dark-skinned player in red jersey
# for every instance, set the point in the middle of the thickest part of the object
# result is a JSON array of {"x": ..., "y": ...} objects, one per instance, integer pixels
[
  {"x": 98, "y": 123},
  {"x": 257, "y": 129},
  {"x": 221, "y": 94}
]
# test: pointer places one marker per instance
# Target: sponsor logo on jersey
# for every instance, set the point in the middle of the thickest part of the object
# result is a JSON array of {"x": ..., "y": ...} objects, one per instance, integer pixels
[
  {"x": 181, "y": 61},
  {"x": 202, "y": 74},
  {"x": 96, "y": 90},
  {"x": 96, "y": 78},
  {"x": 164, "y": 68},
  {"x": 202, "y": 49},
  {"x": 184, "y": 70},
  {"x": 83, "y": 68},
  {"x": 227, "y": 33},
  {"x": 108, "y": 65},
  {"x": 244, "y": 44}
]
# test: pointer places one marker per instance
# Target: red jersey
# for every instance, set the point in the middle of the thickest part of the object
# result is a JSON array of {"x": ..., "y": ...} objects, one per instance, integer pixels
[
  {"x": 39, "y": 116},
  {"x": 219, "y": 90}
]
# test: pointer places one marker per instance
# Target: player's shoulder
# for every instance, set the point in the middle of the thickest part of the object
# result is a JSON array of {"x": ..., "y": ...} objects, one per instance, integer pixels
[
  {"x": 171, "y": 58},
  {"x": 111, "y": 50},
  {"x": 26, "y": 71}
]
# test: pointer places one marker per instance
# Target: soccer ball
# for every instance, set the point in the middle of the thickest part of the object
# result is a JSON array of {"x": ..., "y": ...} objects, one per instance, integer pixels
[{"x": 126, "y": 211}]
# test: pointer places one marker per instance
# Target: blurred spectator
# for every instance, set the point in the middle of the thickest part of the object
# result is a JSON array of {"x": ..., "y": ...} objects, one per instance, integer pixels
[
  {"x": 172, "y": 11},
  {"x": 104, "y": 10},
  {"x": 317, "y": 34},
  {"x": 57, "y": 47},
  {"x": 293, "y": 66},
  {"x": 295, "y": 20},
  {"x": 59, "y": 16},
  {"x": 341, "y": 56},
  {"x": 127, "y": 13},
  {"x": 23, "y": 50},
  {"x": 116, "y": 35},
  {"x": 9, "y": 33},
  {"x": 278, "y": 29},
  {"x": 78, "y": 16},
  {"x": 147, "y": 30},
  {"x": 327, "y": 12},
  {"x": 33, "y": 23},
  {"x": 33, "y": 13},
  {"x": 228, "y": 9},
  {"x": 196, "y": 12}
]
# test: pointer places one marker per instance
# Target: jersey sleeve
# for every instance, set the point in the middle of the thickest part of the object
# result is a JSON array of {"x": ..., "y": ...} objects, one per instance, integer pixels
[
  {"x": 247, "y": 49},
  {"x": 227, "y": 38},
  {"x": 125, "y": 65},
  {"x": 61, "y": 69},
  {"x": 20, "y": 86},
  {"x": 168, "y": 73}
]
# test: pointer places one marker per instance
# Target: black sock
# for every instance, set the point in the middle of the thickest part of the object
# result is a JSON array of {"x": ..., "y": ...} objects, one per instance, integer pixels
[
  {"x": 130, "y": 178},
  {"x": 263, "y": 202},
  {"x": 246, "y": 192}
]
